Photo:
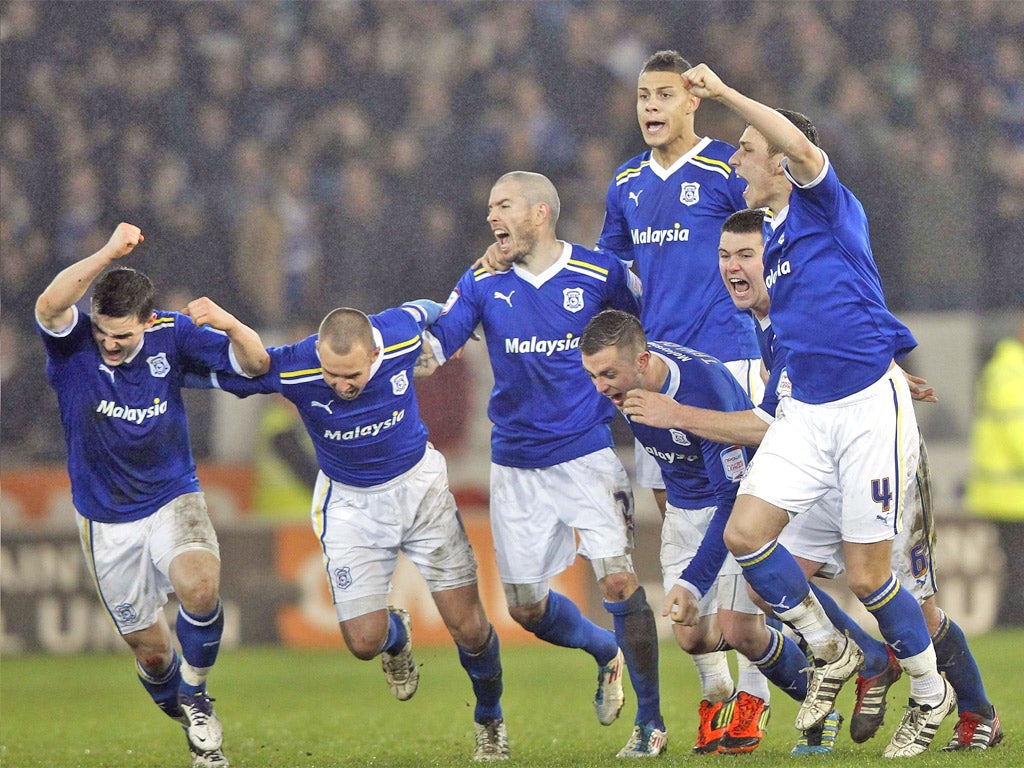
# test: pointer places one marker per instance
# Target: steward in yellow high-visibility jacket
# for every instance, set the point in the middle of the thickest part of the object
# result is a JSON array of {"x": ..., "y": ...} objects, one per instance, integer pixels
[{"x": 995, "y": 487}]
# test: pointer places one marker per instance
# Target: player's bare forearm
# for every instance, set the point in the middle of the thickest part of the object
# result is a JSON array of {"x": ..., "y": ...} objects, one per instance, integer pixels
[
  {"x": 53, "y": 307},
  {"x": 426, "y": 363},
  {"x": 246, "y": 343},
  {"x": 249, "y": 350},
  {"x": 658, "y": 410},
  {"x": 805, "y": 159}
]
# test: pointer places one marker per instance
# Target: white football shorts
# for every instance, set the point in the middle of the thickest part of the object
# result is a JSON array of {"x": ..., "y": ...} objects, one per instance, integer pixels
[
  {"x": 130, "y": 562},
  {"x": 865, "y": 445},
  {"x": 646, "y": 467},
  {"x": 815, "y": 535},
  {"x": 536, "y": 515},
  {"x": 362, "y": 530},
  {"x": 681, "y": 534}
]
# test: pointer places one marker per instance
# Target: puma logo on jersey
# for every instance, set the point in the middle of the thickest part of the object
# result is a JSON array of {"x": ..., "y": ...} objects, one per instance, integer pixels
[
  {"x": 105, "y": 369},
  {"x": 326, "y": 406},
  {"x": 635, "y": 197},
  {"x": 503, "y": 297}
]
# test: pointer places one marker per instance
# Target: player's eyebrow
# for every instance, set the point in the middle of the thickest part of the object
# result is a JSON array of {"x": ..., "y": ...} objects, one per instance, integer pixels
[{"x": 99, "y": 328}]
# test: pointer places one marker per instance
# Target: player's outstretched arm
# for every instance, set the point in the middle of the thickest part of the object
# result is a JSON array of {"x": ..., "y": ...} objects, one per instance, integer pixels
[
  {"x": 659, "y": 410},
  {"x": 246, "y": 343},
  {"x": 805, "y": 159},
  {"x": 53, "y": 307}
]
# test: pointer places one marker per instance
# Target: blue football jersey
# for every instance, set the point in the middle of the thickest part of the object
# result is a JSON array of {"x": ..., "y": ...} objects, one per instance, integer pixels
[
  {"x": 129, "y": 451},
  {"x": 362, "y": 442},
  {"x": 697, "y": 472},
  {"x": 544, "y": 407},
  {"x": 773, "y": 355},
  {"x": 668, "y": 222},
  {"x": 827, "y": 306}
]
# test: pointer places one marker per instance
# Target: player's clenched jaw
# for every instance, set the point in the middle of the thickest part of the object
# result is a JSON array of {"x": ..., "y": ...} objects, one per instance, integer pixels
[{"x": 118, "y": 337}]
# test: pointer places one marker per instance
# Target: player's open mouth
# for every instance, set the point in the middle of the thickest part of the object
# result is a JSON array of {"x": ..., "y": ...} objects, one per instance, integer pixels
[
  {"x": 653, "y": 126},
  {"x": 739, "y": 287},
  {"x": 503, "y": 238}
]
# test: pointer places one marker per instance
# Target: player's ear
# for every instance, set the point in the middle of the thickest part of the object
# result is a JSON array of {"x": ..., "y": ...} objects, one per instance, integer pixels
[
  {"x": 542, "y": 213},
  {"x": 150, "y": 320}
]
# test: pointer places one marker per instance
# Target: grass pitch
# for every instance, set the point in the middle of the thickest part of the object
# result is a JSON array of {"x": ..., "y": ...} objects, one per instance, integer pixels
[{"x": 293, "y": 709}]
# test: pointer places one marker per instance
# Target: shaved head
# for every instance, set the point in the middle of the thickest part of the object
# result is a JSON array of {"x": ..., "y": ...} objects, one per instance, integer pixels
[
  {"x": 344, "y": 329},
  {"x": 536, "y": 188}
]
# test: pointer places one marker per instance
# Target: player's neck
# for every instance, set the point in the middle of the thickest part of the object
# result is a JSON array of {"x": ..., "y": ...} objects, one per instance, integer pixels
[
  {"x": 668, "y": 155},
  {"x": 544, "y": 254},
  {"x": 656, "y": 374}
]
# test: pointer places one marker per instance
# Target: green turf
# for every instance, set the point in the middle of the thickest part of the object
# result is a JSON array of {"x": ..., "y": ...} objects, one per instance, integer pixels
[{"x": 319, "y": 710}]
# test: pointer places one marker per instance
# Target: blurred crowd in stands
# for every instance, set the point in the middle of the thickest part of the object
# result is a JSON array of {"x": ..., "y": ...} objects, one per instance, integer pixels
[{"x": 287, "y": 157}]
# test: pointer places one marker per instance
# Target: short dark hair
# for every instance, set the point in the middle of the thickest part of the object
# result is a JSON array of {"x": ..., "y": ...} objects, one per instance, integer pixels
[
  {"x": 612, "y": 328},
  {"x": 744, "y": 222},
  {"x": 666, "y": 61},
  {"x": 344, "y": 328},
  {"x": 803, "y": 124},
  {"x": 124, "y": 292}
]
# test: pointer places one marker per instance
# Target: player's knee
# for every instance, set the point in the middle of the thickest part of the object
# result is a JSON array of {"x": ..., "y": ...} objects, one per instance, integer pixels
[
  {"x": 527, "y": 616},
  {"x": 152, "y": 647},
  {"x": 199, "y": 596},
  {"x": 618, "y": 586},
  {"x": 527, "y": 602},
  {"x": 736, "y": 539},
  {"x": 691, "y": 641},
  {"x": 365, "y": 646},
  {"x": 750, "y": 641},
  {"x": 933, "y": 615},
  {"x": 472, "y": 630}
]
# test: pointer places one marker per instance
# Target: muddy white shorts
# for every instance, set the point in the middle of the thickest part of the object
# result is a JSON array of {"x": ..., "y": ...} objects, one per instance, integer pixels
[
  {"x": 536, "y": 515},
  {"x": 362, "y": 530},
  {"x": 130, "y": 562}
]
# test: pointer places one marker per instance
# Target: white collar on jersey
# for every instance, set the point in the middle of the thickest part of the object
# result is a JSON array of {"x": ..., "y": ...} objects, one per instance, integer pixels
[
  {"x": 664, "y": 173},
  {"x": 538, "y": 280},
  {"x": 672, "y": 385},
  {"x": 378, "y": 343}
]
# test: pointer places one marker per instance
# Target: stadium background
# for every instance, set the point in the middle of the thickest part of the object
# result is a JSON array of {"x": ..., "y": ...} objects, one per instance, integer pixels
[{"x": 288, "y": 157}]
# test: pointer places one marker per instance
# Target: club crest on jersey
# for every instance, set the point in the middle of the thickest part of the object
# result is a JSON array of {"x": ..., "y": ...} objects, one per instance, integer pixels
[
  {"x": 572, "y": 299},
  {"x": 679, "y": 437},
  {"x": 690, "y": 193},
  {"x": 400, "y": 383},
  {"x": 158, "y": 365}
]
